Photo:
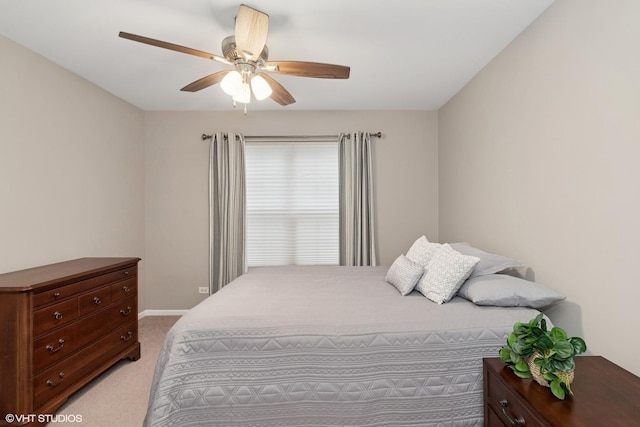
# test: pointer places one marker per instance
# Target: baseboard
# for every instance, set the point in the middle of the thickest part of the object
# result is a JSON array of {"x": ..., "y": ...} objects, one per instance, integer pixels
[{"x": 146, "y": 313}]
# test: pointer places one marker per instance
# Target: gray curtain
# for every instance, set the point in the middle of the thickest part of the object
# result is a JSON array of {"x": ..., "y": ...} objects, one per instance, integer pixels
[
  {"x": 357, "y": 225},
  {"x": 227, "y": 206}
]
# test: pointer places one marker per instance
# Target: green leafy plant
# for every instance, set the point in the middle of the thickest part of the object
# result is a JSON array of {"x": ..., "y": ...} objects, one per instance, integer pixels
[{"x": 547, "y": 354}]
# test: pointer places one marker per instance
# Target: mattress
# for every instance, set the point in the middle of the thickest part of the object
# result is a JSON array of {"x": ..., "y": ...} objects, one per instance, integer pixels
[{"x": 326, "y": 346}]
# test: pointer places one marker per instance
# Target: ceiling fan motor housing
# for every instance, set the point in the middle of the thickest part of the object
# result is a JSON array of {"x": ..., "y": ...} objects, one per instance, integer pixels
[{"x": 230, "y": 51}]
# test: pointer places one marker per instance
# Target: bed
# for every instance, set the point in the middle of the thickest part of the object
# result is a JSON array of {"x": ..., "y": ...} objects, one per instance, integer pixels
[{"x": 326, "y": 346}]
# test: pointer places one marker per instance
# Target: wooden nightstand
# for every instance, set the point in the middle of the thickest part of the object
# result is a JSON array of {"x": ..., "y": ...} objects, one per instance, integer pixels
[{"x": 604, "y": 395}]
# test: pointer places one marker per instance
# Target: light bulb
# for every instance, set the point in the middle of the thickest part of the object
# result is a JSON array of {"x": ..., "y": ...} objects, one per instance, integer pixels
[
  {"x": 231, "y": 83},
  {"x": 261, "y": 88},
  {"x": 243, "y": 94}
]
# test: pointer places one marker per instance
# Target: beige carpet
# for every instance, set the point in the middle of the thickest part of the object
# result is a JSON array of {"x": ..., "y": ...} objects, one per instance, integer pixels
[{"x": 119, "y": 396}]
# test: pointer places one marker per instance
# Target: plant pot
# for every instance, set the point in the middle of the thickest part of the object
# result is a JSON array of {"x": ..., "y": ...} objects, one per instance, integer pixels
[{"x": 537, "y": 376}]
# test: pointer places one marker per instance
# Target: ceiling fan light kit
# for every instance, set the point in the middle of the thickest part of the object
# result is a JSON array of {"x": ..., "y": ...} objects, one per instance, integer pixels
[{"x": 247, "y": 52}]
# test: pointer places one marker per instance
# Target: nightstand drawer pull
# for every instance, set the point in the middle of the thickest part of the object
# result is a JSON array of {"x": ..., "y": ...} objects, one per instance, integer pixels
[
  {"x": 126, "y": 289},
  {"x": 97, "y": 300},
  {"x": 504, "y": 403},
  {"x": 126, "y": 337},
  {"x": 50, "y": 348},
  {"x": 127, "y": 311},
  {"x": 50, "y": 383},
  {"x": 57, "y": 315}
]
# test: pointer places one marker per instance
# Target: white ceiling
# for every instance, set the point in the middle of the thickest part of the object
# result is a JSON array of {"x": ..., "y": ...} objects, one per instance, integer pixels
[{"x": 403, "y": 54}]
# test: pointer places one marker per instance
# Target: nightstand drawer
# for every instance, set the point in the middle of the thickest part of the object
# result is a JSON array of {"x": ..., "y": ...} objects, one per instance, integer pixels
[
  {"x": 506, "y": 406},
  {"x": 493, "y": 419}
]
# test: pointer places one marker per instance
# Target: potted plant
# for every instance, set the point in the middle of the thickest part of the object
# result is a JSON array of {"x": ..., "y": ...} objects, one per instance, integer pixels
[{"x": 547, "y": 355}]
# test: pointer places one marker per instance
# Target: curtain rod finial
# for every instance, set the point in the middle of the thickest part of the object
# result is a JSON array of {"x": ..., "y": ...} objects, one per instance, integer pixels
[{"x": 205, "y": 136}]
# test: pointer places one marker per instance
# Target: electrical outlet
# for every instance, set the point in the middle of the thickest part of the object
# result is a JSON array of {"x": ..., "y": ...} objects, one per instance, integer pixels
[{"x": 203, "y": 290}]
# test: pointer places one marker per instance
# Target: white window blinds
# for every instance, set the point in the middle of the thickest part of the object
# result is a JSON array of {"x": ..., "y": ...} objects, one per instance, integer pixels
[{"x": 292, "y": 203}]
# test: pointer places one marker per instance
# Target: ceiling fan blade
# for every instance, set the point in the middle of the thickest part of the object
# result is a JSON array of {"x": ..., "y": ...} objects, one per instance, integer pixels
[
  {"x": 171, "y": 46},
  {"x": 252, "y": 27},
  {"x": 205, "y": 82},
  {"x": 279, "y": 94},
  {"x": 309, "y": 69}
]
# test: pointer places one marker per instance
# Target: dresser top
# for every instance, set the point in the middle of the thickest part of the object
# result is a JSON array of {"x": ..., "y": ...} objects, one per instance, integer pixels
[{"x": 67, "y": 271}]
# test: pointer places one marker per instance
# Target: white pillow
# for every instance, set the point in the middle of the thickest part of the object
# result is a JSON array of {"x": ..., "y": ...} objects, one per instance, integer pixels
[
  {"x": 445, "y": 273},
  {"x": 502, "y": 290},
  {"x": 404, "y": 274},
  {"x": 422, "y": 251}
]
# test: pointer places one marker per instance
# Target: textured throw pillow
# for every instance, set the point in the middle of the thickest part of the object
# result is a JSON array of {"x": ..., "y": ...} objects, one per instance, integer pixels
[
  {"x": 404, "y": 274},
  {"x": 422, "y": 251},
  {"x": 507, "y": 291},
  {"x": 489, "y": 263},
  {"x": 445, "y": 273}
]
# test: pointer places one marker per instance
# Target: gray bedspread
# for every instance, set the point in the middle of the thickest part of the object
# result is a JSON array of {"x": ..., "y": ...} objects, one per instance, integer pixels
[{"x": 326, "y": 346}]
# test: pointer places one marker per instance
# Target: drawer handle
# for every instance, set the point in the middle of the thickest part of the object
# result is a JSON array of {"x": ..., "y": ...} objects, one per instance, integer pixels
[
  {"x": 126, "y": 289},
  {"x": 126, "y": 273},
  {"x": 50, "y": 383},
  {"x": 57, "y": 315},
  {"x": 127, "y": 337},
  {"x": 97, "y": 300},
  {"x": 127, "y": 311},
  {"x": 504, "y": 403},
  {"x": 50, "y": 348},
  {"x": 56, "y": 295}
]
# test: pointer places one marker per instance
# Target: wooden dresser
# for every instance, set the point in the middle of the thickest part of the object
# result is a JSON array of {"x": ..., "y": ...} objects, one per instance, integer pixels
[
  {"x": 61, "y": 325},
  {"x": 605, "y": 395}
]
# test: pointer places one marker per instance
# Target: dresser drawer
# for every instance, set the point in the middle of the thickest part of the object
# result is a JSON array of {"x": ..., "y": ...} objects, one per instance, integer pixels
[
  {"x": 94, "y": 300},
  {"x": 53, "y": 347},
  {"x": 54, "y": 316},
  {"x": 72, "y": 369},
  {"x": 124, "y": 289},
  {"x": 54, "y": 295},
  {"x": 57, "y": 294},
  {"x": 507, "y": 406}
]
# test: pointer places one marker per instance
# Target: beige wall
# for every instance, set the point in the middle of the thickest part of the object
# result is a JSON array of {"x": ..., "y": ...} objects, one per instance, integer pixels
[
  {"x": 71, "y": 166},
  {"x": 176, "y": 185},
  {"x": 539, "y": 160}
]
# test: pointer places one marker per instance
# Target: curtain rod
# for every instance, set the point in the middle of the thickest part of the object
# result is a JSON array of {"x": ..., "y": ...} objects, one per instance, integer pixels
[{"x": 376, "y": 134}]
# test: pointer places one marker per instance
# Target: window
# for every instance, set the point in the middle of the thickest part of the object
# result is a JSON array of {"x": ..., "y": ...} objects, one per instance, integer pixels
[{"x": 292, "y": 203}]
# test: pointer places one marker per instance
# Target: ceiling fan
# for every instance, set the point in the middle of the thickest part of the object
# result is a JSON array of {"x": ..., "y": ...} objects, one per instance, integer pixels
[{"x": 248, "y": 54}]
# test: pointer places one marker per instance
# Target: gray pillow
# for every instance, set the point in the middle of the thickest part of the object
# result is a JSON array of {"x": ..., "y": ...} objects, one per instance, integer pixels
[
  {"x": 489, "y": 263},
  {"x": 404, "y": 274},
  {"x": 502, "y": 290}
]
